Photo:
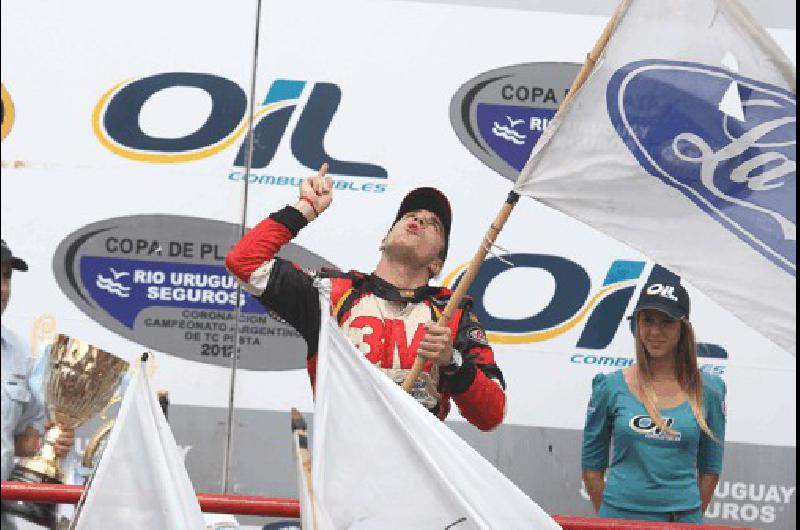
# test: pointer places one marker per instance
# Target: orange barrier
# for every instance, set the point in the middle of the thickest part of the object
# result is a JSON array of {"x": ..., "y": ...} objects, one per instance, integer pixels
[
  {"x": 209, "y": 502},
  {"x": 290, "y": 508}
]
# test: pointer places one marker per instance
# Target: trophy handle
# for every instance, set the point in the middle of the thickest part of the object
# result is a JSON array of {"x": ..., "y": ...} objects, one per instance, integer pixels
[
  {"x": 44, "y": 329},
  {"x": 96, "y": 442},
  {"x": 114, "y": 400}
]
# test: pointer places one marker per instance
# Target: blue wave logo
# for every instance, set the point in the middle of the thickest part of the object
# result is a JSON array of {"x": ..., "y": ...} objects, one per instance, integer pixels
[
  {"x": 510, "y": 132},
  {"x": 727, "y": 142},
  {"x": 109, "y": 283}
]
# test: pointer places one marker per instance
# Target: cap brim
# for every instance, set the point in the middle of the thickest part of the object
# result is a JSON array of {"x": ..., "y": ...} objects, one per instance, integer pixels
[
  {"x": 669, "y": 310},
  {"x": 18, "y": 264}
]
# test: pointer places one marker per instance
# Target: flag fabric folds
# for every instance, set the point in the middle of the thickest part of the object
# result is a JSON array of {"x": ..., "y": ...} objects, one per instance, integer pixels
[
  {"x": 141, "y": 480},
  {"x": 380, "y": 460},
  {"x": 682, "y": 144}
]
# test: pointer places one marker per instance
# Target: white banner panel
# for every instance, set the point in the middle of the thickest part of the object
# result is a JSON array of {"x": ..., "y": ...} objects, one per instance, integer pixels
[{"x": 124, "y": 152}]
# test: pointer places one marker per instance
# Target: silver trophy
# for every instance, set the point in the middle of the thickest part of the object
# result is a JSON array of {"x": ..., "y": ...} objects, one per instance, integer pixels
[{"x": 80, "y": 381}]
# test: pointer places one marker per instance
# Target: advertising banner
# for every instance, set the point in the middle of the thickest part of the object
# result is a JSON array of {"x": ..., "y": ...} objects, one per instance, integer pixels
[{"x": 124, "y": 162}]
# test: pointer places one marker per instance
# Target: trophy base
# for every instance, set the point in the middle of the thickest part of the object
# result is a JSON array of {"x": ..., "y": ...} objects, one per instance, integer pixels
[{"x": 37, "y": 513}]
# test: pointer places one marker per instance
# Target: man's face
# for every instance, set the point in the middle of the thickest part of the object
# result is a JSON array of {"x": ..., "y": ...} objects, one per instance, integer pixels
[
  {"x": 6, "y": 285},
  {"x": 418, "y": 235}
]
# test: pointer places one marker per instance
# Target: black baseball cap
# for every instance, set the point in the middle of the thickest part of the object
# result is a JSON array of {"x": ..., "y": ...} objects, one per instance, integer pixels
[
  {"x": 8, "y": 257},
  {"x": 434, "y": 201},
  {"x": 667, "y": 296}
]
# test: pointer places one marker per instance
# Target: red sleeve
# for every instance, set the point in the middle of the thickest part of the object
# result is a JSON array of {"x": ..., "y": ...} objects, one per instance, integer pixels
[
  {"x": 478, "y": 387},
  {"x": 483, "y": 404},
  {"x": 279, "y": 285},
  {"x": 259, "y": 246}
]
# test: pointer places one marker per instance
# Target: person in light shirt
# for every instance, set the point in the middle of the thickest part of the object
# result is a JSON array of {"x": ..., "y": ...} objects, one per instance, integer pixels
[{"x": 23, "y": 412}]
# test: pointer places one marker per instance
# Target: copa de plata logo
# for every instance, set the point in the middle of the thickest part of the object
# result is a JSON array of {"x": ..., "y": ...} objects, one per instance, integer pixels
[
  {"x": 116, "y": 124},
  {"x": 726, "y": 142},
  {"x": 500, "y": 115},
  {"x": 160, "y": 281}
]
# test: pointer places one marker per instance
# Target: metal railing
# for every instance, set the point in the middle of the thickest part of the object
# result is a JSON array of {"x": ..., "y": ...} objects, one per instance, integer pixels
[{"x": 290, "y": 508}]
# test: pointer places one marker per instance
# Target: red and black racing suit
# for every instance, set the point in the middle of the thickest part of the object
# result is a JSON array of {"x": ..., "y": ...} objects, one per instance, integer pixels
[{"x": 383, "y": 322}]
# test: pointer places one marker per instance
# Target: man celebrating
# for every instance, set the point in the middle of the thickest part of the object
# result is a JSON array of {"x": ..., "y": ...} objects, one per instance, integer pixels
[
  {"x": 389, "y": 315},
  {"x": 23, "y": 413}
]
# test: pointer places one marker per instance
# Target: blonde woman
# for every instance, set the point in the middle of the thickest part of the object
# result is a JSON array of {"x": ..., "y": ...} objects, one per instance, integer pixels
[{"x": 665, "y": 417}]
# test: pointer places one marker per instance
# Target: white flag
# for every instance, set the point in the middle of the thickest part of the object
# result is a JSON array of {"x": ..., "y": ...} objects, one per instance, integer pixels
[
  {"x": 141, "y": 480},
  {"x": 682, "y": 144},
  {"x": 382, "y": 461}
]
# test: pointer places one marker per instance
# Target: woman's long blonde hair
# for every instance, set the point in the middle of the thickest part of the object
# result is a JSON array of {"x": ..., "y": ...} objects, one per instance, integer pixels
[{"x": 686, "y": 371}]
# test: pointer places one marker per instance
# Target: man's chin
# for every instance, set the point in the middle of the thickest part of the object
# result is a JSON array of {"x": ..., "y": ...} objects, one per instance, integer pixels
[{"x": 404, "y": 252}]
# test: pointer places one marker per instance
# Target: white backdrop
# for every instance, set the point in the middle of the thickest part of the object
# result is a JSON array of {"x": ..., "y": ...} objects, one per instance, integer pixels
[{"x": 397, "y": 66}]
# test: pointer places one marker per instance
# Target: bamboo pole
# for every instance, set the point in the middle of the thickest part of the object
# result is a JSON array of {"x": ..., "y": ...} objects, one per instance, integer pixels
[
  {"x": 466, "y": 280},
  {"x": 594, "y": 55},
  {"x": 303, "y": 456},
  {"x": 511, "y": 201}
]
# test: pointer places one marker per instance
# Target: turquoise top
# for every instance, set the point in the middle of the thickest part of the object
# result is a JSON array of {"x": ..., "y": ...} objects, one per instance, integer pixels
[{"x": 651, "y": 471}]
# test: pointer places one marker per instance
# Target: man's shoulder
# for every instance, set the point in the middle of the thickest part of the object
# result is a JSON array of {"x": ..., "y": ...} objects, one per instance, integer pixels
[
  {"x": 442, "y": 295},
  {"x": 332, "y": 272},
  {"x": 11, "y": 339},
  {"x": 15, "y": 348},
  {"x": 342, "y": 283},
  {"x": 347, "y": 279}
]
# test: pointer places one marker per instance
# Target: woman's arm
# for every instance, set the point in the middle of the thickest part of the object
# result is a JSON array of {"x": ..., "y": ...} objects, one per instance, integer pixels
[
  {"x": 596, "y": 441},
  {"x": 712, "y": 449},
  {"x": 708, "y": 483},
  {"x": 595, "y": 482}
]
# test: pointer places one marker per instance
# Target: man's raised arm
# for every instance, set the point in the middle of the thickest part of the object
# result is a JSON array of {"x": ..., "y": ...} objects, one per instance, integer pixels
[{"x": 278, "y": 284}]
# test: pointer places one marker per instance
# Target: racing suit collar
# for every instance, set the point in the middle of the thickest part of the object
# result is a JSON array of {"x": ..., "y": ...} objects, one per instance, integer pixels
[{"x": 387, "y": 291}]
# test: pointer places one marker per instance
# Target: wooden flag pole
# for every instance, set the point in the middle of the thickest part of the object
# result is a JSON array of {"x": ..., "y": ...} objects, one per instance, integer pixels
[
  {"x": 303, "y": 456},
  {"x": 594, "y": 55},
  {"x": 495, "y": 228},
  {"x": 466, "y": 280}
]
